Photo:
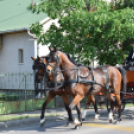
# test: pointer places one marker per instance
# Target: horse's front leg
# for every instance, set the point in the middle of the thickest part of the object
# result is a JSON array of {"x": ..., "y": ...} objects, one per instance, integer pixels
[
  {"x": 66, "y": 104},
  {"x": 51, "y": 95},
  {"x": 84, "y": 112},
  {"x": 75, "y": 101},
  {"x": 91, "y": 98},
  {"x": 79, "y": 112}
]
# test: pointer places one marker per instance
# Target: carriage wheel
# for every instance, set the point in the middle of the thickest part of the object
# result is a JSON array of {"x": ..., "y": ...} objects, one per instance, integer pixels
[{"x": 108, "y": 106}]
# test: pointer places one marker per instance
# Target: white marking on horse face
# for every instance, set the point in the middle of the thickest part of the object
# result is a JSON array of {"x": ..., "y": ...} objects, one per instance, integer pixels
[
  {"x": 84, "y": 113},
  {"x": 42, "y": 121}
]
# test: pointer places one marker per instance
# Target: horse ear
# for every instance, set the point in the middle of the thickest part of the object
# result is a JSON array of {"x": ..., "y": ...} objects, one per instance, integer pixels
[
  {"x": 33, "y": 58},
  {"x": 55, "y": 49},
  {"x": 50, "y": 48},
  {"x": 45, "y": 62},
  {"x": 38, "y": 57}
]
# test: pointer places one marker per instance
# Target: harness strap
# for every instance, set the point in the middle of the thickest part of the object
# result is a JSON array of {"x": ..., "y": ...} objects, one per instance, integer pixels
[
  {"x": 93, "y": 81},
  {"x": 105, "y": 71},
  {"x": 82, "y": 82}
]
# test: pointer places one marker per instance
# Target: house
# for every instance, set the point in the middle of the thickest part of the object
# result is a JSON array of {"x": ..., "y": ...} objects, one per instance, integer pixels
[{"x": 17, "y": 44}]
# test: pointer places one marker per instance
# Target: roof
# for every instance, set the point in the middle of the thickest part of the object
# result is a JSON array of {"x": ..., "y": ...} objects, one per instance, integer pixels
[{"x": 14, "y": 15}]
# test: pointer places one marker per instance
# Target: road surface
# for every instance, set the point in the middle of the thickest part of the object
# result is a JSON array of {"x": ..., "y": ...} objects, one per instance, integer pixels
[{"x": 101, "y": 126}]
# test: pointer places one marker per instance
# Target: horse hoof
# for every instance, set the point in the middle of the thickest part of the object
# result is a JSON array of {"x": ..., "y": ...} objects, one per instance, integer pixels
[
  {"x": 96, "y": 117},
  {"x": 42, "y": 124},
  {"x": 110, "y": 121},
  {"x": 111, "y": 117},
  {"x": 68, "y": 124},
  {"x": 83, "y": 119},
  {"x": 117, "y": 122},
  {"x": 77, "y": 127}
]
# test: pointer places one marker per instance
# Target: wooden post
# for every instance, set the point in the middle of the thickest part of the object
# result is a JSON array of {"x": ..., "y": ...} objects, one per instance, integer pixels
[{"x": 121, "y": 44}]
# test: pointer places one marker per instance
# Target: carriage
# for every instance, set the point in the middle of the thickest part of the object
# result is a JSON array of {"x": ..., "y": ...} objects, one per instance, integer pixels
[{"x": 129, "y": 95}]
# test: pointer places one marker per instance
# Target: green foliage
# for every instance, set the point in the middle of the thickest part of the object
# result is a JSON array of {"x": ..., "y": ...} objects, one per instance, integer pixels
[
  {"x": 88, "y": 29},
  {"x": 5, "y": 97}
]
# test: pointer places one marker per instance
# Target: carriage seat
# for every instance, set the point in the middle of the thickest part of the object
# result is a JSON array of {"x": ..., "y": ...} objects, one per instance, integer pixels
[{"x": 129, "y": 67}]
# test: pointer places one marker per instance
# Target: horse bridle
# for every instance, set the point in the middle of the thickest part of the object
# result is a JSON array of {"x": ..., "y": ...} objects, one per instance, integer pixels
[{"x": 55, "y": 71}]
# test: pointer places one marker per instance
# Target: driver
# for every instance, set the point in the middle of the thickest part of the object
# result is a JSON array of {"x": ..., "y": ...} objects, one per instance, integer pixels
[{"x": 131, "y": 55}]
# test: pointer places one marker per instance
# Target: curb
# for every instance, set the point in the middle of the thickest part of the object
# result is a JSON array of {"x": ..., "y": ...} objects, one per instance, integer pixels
[{"x": 16, "y": 123}]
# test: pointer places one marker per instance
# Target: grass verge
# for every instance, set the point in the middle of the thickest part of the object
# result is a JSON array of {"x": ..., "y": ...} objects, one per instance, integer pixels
[
  {"x": 11, "y": 117},
  {"x": 4, "y": 118}
]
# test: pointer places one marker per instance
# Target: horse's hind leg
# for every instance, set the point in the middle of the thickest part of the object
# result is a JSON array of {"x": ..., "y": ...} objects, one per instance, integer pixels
[
  {"x": 118, "y": 103},
  {"x": 112, "y": 100},
  {"x": 49, "y": 98},
  {"x": 95, "y": 108}
]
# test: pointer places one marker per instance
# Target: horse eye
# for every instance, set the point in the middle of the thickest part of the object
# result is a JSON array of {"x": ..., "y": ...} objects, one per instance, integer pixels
[{"x": 48, "y": 71}]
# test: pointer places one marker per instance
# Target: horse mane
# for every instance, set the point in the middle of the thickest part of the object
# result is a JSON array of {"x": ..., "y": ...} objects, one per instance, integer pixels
[
  {"x": 70, "y": 58},
  {"x": 73, "y": 60},
  {"x": 46, "y": 57}
]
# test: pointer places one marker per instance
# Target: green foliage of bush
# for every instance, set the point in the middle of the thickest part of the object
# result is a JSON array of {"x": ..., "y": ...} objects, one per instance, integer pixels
[{"x": 5, "y": 97}]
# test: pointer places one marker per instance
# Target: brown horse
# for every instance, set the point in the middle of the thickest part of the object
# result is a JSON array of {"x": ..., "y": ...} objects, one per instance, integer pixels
[
  {"x": 39, "y": 65},
  {"x": 95, "y": 82}
]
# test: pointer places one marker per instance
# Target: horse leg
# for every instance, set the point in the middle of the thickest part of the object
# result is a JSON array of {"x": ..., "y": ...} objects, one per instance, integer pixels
[
  {"x": 79, "y": 112},
  {"x": 95, "y": 108},
  {"x": 75, "y": 101},
  {"x": 51, "y": 95},
  {"x": 84, "y": 112},
  {"x": 111, "y": 99},
  {"x": 118, "y": 103},
  {"x": 66, "y": 104}
]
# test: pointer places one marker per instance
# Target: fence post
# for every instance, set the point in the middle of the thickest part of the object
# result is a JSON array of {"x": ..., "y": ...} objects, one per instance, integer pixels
[{"x": 25, "y": 89}]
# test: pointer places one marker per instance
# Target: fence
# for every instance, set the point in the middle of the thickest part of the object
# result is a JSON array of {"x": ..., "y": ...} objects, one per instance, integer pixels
[{"x": 17, "y": 93}]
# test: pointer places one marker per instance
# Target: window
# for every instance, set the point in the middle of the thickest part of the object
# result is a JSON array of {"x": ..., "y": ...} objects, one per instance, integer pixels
[{"x": 21, "y": 56}]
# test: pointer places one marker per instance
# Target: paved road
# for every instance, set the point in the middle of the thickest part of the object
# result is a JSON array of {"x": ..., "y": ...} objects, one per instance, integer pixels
[{"x": 89, "y": 126}]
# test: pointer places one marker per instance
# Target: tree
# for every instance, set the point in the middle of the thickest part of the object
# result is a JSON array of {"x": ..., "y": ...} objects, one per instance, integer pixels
[{"x": 88, "y": 29}]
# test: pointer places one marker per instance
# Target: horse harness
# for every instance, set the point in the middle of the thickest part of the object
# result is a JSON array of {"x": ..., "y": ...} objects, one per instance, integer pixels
[{"x": 79, "y": 79}]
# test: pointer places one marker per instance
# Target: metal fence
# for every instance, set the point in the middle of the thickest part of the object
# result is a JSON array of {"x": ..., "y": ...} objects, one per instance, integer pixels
[{"x": 17, "y": 93}]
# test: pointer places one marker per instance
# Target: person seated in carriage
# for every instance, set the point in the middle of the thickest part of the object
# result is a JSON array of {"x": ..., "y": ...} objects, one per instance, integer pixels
[{"x": 130, "y": 59}]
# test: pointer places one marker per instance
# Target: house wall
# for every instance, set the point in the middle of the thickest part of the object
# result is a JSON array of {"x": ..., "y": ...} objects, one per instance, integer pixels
[{"x": 9, "y": 57}]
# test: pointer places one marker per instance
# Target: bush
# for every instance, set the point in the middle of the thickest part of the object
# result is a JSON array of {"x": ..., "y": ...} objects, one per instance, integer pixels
[{"x": 5, "y": 97}]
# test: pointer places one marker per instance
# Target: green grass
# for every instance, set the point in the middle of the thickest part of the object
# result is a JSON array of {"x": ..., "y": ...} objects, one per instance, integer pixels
[{"x": 4, "y": 118}]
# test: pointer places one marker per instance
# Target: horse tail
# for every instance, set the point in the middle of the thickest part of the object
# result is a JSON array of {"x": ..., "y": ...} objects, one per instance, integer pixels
[{"x": 123, "y": 82}]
